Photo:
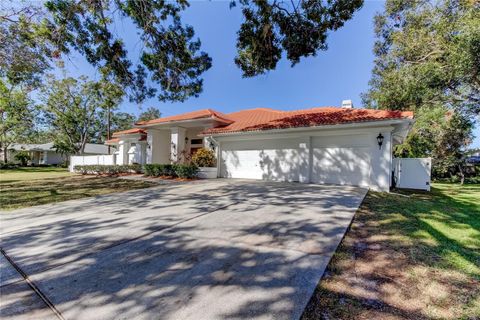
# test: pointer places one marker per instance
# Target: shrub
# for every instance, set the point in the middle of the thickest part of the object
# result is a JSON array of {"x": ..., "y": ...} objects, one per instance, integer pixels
[
  {"x": 23, "y": 157},
  {"x": 110, "y": 170},
  {"x": 204, "y": 158},
  {"x": 171, "y": 170},
  {"x": 156, "y": 170},
  {"x": 187, "y": 171},
  {"x": 148, "y": 170},
  {"x": 8, "y": 165}
]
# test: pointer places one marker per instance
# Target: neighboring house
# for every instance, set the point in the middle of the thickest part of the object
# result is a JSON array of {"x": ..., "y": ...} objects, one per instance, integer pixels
[
  {"x": 328, "y": 145},
  {"x": 46, "y": 154}
]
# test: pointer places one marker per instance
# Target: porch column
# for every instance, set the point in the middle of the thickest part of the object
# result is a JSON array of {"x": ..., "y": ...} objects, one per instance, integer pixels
[
  {"x": 143, "y": 152},
  {"x": 122, "y": 152},
  {"x": 177, "y": 146},
  {"x": 149, "y": 146}
]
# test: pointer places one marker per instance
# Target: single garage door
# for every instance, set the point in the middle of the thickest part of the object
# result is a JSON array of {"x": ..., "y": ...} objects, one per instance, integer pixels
[
  {"x": 267, "y": 159},
  {"x": 342, "y": 160}
]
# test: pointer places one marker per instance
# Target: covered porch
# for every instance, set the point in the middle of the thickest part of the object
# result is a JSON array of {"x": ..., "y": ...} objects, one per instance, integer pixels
[
  {"x": 175, "y": 139},
  {"x": 174, "y": 144},
  {"x": 166, "y": 140}
]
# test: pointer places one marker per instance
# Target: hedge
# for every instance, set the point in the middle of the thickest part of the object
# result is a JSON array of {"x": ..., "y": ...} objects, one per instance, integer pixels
[
  {"x": 110, "y": 170},
  {"x": 188, "y": 171}
]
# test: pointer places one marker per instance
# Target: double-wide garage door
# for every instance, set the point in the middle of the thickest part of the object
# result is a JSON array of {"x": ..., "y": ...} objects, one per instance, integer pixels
[{"x": 342, "y": 160}]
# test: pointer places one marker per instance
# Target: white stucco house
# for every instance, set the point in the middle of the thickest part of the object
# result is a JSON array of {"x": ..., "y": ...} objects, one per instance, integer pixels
[
  {"x": 327, "y": 145},
  {"x": 45, "y": 154}
]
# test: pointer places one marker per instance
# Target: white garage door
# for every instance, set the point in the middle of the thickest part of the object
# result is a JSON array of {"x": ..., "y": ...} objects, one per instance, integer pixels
[
  {"x": 342, "y": 160},
  {"x": 261, "y": 159}
]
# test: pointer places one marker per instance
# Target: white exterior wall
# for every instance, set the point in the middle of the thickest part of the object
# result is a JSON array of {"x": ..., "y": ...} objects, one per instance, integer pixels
[
  {"x": 122, "y": 153},
  {"x": 343, "y": 157},
  {"x": 158, "y": 146},
  {"x": 136, "y": 152}
]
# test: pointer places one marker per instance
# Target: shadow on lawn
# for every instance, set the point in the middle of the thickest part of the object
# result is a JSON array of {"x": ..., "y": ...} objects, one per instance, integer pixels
[
  {"x": 100, "y": 257},
  {"x": 397, "y": 251},
  {"x": 37, "y": 192}
]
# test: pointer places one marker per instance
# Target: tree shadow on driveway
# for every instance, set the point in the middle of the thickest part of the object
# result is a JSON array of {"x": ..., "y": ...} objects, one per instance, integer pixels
[{"x": 214, "y": 250}]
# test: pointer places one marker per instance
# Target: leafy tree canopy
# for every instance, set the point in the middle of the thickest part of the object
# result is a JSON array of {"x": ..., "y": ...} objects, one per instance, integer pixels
[
  {"x": 25, "y": 56},
  {"x": 427, "y": 54},
  {"x": 72, "y": 107},
  {"x": 17, "y": 114},
  {"x": 149, "y": 114},
  {"x": 299, "y": 28},
  {"x": 118, "y": 121},
  {"x": 171, "y": 62},
  {"x": 428, "y": 60}
]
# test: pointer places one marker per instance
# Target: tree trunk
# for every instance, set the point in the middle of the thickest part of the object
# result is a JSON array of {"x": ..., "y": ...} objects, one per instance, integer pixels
[
  {"x": 5, "y": 157},
  {"x": 108, "y": 127},
  {"x": 4, "y": 147},
  {"x": 462, "y": 175}
]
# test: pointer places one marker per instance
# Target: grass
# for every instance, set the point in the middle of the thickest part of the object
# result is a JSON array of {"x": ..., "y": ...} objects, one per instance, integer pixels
[
  {"x": 32, "y": 173},
  {"x": 19, "y": 191},
  {"x": 410, "y": 256}
]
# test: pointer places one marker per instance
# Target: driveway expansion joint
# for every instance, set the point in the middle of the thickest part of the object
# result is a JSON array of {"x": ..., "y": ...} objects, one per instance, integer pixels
[{"x": 32, "y": 285}]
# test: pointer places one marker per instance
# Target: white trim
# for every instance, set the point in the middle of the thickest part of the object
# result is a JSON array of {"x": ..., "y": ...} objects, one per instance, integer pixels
[
  {"x": 369, "y": 124},
  {"x": 299, "y": 134},
  {"x": 178, "y": 123}
]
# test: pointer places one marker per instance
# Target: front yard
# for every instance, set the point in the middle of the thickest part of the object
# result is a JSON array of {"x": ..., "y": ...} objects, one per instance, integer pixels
[
  {"x": 412, "y": 255},
  {"x": 32, "y": 173},
  {"x": 25, "y": 187},
  {"x": 407, "y": 257}
]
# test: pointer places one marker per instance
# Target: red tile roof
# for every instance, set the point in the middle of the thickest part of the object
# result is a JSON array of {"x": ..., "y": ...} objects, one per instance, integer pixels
[
  {"x": 268, "y": 119},
  {"x": 129, "y": 131},
  {"x": 112, "y": 141},
  {"x": 200, "y": 114}
]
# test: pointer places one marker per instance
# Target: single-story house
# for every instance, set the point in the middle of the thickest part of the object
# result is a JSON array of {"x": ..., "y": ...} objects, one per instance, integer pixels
[
  {"x": 327, "y": 145},
  {"x": 45, "y": 153}
]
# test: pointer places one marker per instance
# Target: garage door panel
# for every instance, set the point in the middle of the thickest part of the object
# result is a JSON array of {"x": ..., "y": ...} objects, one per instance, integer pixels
[
  {"x": 261, "y": 159},
  {"x": 341, "y": 160}
]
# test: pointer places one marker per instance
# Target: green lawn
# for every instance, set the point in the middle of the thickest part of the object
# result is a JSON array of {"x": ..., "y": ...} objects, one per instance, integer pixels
[
  {"x": 27, "y": 187},
  {"x": 415, "y": 256},
  {"x": 31, "y": 173}
]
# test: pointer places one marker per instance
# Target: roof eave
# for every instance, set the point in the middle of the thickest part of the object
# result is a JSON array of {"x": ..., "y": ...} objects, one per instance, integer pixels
[
  {"x": 180, "y": 122},
  {"x": 361, "y": 124}
]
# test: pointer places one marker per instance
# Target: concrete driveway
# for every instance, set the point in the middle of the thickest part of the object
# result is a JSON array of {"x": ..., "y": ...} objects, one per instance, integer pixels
[{"x": 217, "y": 249}]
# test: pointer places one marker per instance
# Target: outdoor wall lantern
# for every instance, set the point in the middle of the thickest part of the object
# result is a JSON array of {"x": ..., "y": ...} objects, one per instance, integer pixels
[
  {"x": 186, "y": 140},
  {"x": 380, "y": 140}
]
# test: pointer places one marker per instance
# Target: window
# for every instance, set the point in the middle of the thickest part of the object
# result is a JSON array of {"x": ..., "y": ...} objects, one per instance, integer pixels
[{"x": 197, "y": 141}]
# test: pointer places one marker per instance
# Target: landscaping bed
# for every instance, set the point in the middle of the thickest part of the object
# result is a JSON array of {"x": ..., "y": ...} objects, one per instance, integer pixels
[
  {"x": 166, "y": 171},
  {"x": 409, "y": 256}
]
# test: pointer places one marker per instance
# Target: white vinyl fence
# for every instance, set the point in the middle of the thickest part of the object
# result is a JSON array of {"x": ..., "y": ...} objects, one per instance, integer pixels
[
  {"x": 412, "y": 173},
  {"x": 107, "y": 159}
]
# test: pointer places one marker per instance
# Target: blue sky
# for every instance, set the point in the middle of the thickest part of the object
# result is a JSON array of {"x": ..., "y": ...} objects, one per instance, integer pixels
[{"x": 341, "y": 72}]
